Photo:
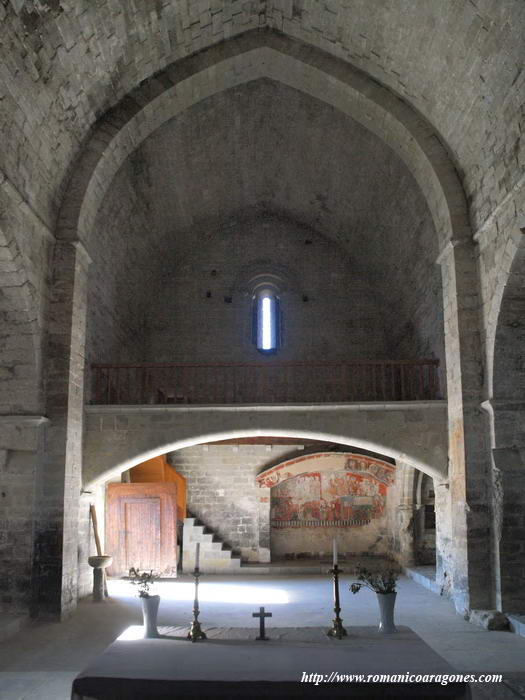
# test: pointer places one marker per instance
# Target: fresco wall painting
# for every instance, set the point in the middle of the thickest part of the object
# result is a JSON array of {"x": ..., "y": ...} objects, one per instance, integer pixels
[
  {"x": 318, "y": 497},
  {"x": 336, "y": 499}
]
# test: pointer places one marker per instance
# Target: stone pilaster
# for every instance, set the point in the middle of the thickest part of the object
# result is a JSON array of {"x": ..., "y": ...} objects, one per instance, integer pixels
[
  {"x": 444, "y": 536},
  {"x": 405, "y": 531},
  {"x": 508, "y": 466},
  {"x": 469, "y": 561},
  {"x": 59, "y": 485}
]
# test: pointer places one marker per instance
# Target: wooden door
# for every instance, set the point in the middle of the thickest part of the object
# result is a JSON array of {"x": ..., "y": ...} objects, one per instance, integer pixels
[
  {"x": 157, "y": 469},
  {"x": 141, "y": 527}
]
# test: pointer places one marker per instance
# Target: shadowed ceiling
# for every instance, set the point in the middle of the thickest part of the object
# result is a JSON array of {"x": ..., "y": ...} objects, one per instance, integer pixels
[
  {"x": 65, "y": 62},
  {"x": 269, "y": 147}
]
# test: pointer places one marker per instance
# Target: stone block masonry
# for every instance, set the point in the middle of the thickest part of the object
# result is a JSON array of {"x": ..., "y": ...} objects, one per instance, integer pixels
[
  {"x": 22, "y": 440},
  {"x": 83, "y": 84},
  {"x": 119, "y": 437},
  {"x": 222, "y": 492},
  {"x": 63, "y": 51},
  {"x": 214, "y": 557}
]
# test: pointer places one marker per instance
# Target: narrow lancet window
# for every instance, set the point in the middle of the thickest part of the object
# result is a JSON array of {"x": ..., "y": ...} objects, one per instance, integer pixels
[{"x": 267, "y": 321}]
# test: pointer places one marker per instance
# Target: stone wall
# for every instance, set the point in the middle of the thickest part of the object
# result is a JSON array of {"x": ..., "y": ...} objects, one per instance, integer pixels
[
  {"x": 22, "y": 441},
  {"x": 222, "y": 493},
  {"x": 322, "y": 497},
  {"x": 167, "y": 240},
  {"x": 317, "y": 542},
  {"x": 120, "y": 275},
  {"x": 64, "y": 64},
  {"x": 119, "y": 437},
  {"x": 25, "y": 247},
  {"x": 56, "y": 54},
  {"x": 328, "y": 310},
  {"x": 221, "y": 488}
]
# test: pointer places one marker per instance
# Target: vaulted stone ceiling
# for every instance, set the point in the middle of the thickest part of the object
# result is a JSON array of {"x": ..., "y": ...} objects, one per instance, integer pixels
[
  {"x": 268, "y": 147},
  {"x": 256, "y": 149},
  {"x": 63, "y": 63}
]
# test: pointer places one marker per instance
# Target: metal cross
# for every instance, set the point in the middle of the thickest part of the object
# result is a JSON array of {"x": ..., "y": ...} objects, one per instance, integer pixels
[{"x": 261, "y": 615}]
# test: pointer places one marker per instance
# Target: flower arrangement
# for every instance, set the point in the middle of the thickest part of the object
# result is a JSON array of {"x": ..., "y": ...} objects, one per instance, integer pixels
[
  {"x": 382, "y": 581},
  {"x": 142, "y": 579}
]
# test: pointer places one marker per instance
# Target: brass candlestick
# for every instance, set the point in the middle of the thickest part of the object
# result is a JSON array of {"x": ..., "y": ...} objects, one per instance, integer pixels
[
  {"x": 195, "y": 628},
  {"x": 337, "y": 630}
]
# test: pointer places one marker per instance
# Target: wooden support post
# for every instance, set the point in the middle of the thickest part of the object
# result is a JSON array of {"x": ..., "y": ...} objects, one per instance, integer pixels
[{"x": 93, "y": 513}]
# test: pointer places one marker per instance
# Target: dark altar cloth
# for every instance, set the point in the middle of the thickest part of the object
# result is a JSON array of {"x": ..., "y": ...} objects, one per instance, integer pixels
[{"x": 231, "y": 665}]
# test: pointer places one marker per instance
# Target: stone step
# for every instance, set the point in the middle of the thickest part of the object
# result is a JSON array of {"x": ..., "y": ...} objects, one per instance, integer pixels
[
  {"x": 215, "y": 556},
  {"x": 517, "y": 623},
  {"x": 205, "y": 539},
  {"x": 283, "y": 569},
  {"x": 218, "y": 554},
  {"x": 207, "y": 554}
]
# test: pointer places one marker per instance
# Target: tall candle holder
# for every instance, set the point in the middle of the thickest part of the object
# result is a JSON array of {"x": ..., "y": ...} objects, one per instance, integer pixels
[
  {"x": 196, "y": 632},
  {"x": 337, "y": 630}
]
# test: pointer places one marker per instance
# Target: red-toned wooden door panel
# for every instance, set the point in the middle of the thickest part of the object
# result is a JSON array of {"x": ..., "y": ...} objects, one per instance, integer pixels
[
  {"x": 141, "y": 527},
  {"x": 141, "y": 517}
]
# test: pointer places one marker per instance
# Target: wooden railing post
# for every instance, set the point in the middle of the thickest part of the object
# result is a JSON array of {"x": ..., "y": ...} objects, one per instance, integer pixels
[
  {"x": 97, "y": 384},
  {"x": 108, "y": 385}
]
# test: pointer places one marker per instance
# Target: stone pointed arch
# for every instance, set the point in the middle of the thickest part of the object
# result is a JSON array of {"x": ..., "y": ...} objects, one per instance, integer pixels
[
  {"x": 270, "y": 54},
  {"x": 253, "y": 55},
  {"x": 118, "y": 438}
]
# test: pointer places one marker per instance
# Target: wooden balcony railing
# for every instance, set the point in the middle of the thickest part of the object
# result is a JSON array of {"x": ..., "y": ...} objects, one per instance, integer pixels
[{"x": 265, "y": 382}]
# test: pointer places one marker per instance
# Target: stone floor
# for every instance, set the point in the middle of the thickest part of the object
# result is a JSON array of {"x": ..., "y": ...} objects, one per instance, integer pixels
[{"x": 40, "y": 661}]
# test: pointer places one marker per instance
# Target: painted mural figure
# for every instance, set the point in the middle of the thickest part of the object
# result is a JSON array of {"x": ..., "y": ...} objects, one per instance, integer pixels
[{"x": 341, "y": 497}]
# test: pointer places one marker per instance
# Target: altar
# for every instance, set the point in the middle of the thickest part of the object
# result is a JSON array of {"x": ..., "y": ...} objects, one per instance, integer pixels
[{"x": 293, "y": 663}]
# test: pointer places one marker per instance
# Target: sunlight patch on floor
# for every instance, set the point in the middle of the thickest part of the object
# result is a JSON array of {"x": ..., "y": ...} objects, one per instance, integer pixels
[
  {"x": 132, "y": 633},
  {"x": 208, "y": 592}
]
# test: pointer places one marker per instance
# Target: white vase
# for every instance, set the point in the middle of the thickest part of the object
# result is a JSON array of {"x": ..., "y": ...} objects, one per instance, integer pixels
[
  {"x": 150, "y": 609},
  {"x": 386, "y": 612}
]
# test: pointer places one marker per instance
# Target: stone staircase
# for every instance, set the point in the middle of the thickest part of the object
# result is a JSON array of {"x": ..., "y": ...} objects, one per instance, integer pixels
[{"x": 215, "y": 556}]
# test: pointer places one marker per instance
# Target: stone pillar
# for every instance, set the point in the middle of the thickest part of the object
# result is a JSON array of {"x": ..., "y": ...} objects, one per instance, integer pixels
[
  {"x": 509, "y": 504},
  {"x": 401, "y": 496},
  {"x": 469, "y": 561},
  {"x": 444, "y": 535},
  {"x": 264, "y": 501},
  {"x": 405, "y": 530},
  {"x": 58, "y": 492}
]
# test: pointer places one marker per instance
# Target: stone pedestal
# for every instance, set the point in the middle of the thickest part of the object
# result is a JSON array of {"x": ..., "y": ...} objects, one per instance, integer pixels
[{"x": 99, "y": 563}]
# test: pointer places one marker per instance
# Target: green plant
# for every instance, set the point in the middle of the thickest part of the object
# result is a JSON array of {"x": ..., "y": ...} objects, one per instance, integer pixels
[
  {"x": 381, "y": 581},
  {"x": 143, "y": 580}
]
